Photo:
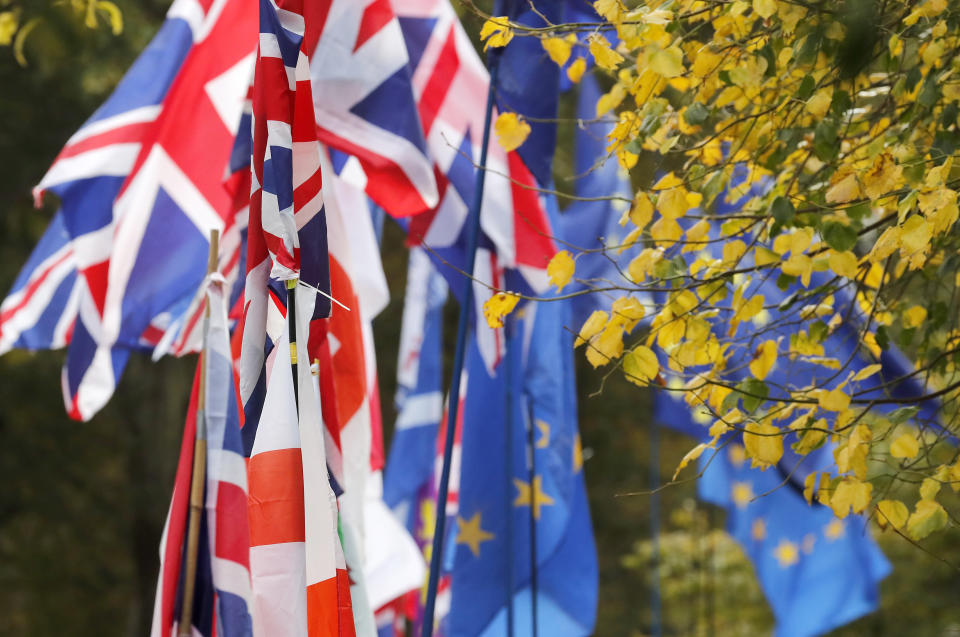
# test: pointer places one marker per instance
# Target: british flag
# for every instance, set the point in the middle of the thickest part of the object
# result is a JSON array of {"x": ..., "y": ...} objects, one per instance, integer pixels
[
  {"x": 42, "y": 305},
  {"x": 365, "y": 105},
  {"x": 223, "y": 596},
  {"x": 138, "y": 201},
  {"x": 300, "y": 586},
  {"x": 451, "y": 83}
]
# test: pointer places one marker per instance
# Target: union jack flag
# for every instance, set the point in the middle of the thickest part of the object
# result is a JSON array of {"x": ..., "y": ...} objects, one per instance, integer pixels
[
  {"x": 365, "y": 105},
  {"x": 42, "y": 305},
  {"x": 222, "y": 599},
  {"x": 450, "y": 83},
  {"x": 300, "y": 586},
  {"x": 138, "y": 201}
]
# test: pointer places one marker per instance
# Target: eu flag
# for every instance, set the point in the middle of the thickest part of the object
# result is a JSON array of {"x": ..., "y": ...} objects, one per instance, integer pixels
[
  {"x": 503, "y": 496},
  {"x": 818, "y": 572}
]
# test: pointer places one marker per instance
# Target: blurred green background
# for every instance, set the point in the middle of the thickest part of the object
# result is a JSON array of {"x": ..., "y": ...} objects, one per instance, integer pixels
[{"x": 82, "y": 505}]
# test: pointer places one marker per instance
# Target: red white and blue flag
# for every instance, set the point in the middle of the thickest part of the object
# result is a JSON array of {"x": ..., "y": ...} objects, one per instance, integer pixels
[
  {"x": 138, "y": 201},
  {"x": 222, "y": 598},
  {"x": 451, "y": 83},
  {"x": 365, "y": 104}
]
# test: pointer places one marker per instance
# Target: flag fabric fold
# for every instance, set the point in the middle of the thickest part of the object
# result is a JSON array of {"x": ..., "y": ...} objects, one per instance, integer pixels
[
  {"x": 502, "y": 495},
  {"x": 138, "y": 200},
  {"x": 222, "y": 600}
]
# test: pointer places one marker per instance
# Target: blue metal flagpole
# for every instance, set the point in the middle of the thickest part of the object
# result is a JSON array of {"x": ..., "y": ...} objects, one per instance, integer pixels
[
  {"x": 473, "y": 231},
  {"x": 532, "y": 465},
  {"x": 508, "y": 470}
]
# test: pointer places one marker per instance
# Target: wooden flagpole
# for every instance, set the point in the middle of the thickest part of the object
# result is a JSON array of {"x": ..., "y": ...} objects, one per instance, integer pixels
[{"x": 199, "y": 470}]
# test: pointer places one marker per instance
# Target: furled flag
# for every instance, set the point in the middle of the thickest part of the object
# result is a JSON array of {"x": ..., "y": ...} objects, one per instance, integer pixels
[
  {"x": 382, "y": 556},
  {"x": 222, "y": 593},
  {"x": 138, "y": 200},
  {"x": 451, "y": 85},
  {"x": 365, "y": 106},
  {"x": 300, "y": 584},
  {"x": 503, "y": 495},
  {"x": 419, "y": 397}
]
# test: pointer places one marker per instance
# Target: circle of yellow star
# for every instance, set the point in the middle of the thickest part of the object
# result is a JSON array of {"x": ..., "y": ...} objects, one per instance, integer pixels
[
  {"x": 759, "y": 530},
  {"x": 469, "y": 532}
]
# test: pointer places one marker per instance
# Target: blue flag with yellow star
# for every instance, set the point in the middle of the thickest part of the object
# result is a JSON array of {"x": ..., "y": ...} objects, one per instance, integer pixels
[
  {"x": 817, "y": 571},
  {"x": 503, "y": 496}
]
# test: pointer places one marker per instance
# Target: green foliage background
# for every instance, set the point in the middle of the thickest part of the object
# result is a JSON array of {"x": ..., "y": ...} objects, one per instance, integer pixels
[{"x": 82, "y": 505}]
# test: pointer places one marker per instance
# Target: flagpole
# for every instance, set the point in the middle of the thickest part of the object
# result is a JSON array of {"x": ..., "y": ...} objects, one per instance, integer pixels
[
  {"x": 532, "y": 464},
  {"x": 292, "y": 331},
  {"x": 473, "y": 231},
  {"x": 508, "y": 469},
  {"x": 199, "y": 468}
]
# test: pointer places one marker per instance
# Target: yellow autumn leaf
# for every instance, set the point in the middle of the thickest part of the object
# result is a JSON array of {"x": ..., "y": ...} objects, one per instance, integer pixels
[
  {"x": 558, "y": 48},
  {"x": 496, "y": 32},
  {"x": 799, "y": 265},
  {"x": 808, "y": 486},
  {"x": 705, "y": 62},
  {"x": 673, "y": 203},
  {"x": 605, "y": 56},
  {"x": 763, "y": 443},
  {"x": 498, "y": 306},
  {"x": 764, "y": 359},
  {"x": 845, "y": 188},
  {"x": 605, "y": 346},
  {"x": 689, "y": 457},
  {"x": 627, "y": 312},
  {"x": 764, "y": 256},
  {"x": 915, "y": 236},
  {"x": 867, "y": 372},
  {"x": 915, "y": 316},
  {"x": 667, "y": 62},
  {"x": 850, "y": 494},
  {"x": 9, "y": 21},
  {"x": 765, "y": 8},
  {"x": 576, "y": 69},
  {"x": 641, "y": 365},
  {"x": 642, "y": 265},
  {"x": 883, "y": 177},
  {"x": 905, "y": 446},
  {"x": 811, "y": 436},
  {"x": 892, "y": 512},
  {"x": 609, "y": 9},
  {"x": 591, "y": 327},
  {"x": 843, "y": 263},
  {"x": 833, "y": 400},
  {"x": 929, "y": 489},
  {"x": 927, "y": 517},
  {"x": 666, "y": 232},
  {"x": 819, "y": 102},
  {"x": 511, "y": 130},
  {"x": 641, "y": 212},
  {"x": 697, "y": 236},
  {"x": 560, "y": 269},
  {"x": 611, "y": 100}
]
